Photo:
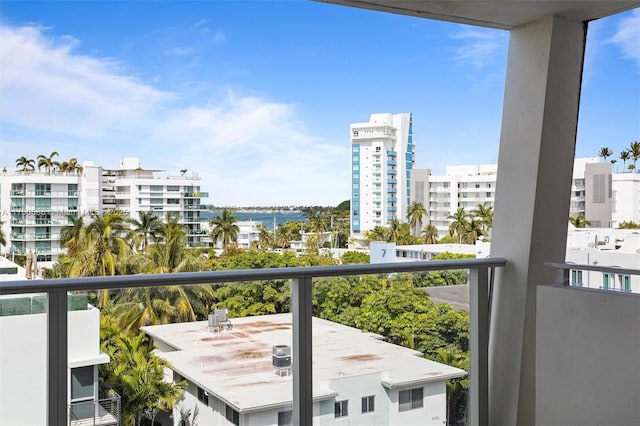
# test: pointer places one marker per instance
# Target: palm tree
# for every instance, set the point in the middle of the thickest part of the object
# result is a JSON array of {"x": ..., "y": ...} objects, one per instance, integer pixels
[
  {"x": 378, "y": 233},
  {"x": 415, "y": 213},
  {"x": 265, "y": 239},
  {"x": 137, "y": 375},
  {"x": 25, "y": 164},
  {"x": 105, "y": 248},
  {"x": 458, "y": 224},
  {"x": 224, "y": 228},
  {"x": 74, "y": 166},
  {"x": 605, "y": 152},
  {"x": 47, "y": 162},
  {"x": 579, "y": 221},
  {"x": 484, "y": 213},
  {"x": 169, "y": 253},
  {"x": 395, "y": 230},
  {"x": 430, "y": 234},
  {"x": 624, "y": 156},
  {"x": 72, "y": 236},
  {"x": 145, "y": 227},
  {"x": 634, "y": 150},
  {"x": 473, "y": 231}
]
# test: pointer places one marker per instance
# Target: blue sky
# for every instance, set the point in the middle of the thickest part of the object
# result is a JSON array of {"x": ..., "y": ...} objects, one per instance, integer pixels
[{"x": 257, "y": 96}]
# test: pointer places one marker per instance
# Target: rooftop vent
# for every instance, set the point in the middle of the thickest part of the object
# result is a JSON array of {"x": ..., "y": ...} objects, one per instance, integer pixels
[
  {"x": 219, "y": 320},
  {"x": 282, "y": 360}
]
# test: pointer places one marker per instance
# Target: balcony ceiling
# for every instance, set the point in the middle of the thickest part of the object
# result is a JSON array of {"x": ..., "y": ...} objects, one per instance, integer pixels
[{"x": 503, "y": 14}]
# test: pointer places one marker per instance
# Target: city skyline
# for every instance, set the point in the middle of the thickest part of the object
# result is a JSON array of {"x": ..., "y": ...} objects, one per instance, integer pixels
[{"x": 257, "y": 97}]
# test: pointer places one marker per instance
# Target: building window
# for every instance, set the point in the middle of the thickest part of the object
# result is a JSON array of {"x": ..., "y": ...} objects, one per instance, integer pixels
[
  {"x": 576, "y": 278},
  {"x": 605, "y": 280},
  {"x": 173, "y": 200},
  {"x": 410, "y": 399},
  {"x": 157, "y": 188},
  {"x": 355, "y": 134},
  {"x": 233, "y": 416},
  {"x": 377, "y": 149},
  {"x": 43, "y": 189},
  {"x": 203, "y": 396},
  {"x": 72, "y": 190},
  {"x": 342, "y": 408},
  {"x": 173, "y": 188},
  {"x": 285, "y": 418},
  {"x": 82, "y": 383},
  {"x": 627, "y": 282},
  {"x": 368, "y": 404}
]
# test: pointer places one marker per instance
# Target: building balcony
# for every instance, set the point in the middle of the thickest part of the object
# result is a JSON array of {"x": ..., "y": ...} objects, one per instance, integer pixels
[
  {"x": 103, "y": 412},
  {"x": 392, "y": 162},
  {"x": 392, "y": 154},
  {"x": 195, "y": 194},
  {"x": 392, "y": 172},
  {"x": 30, "y": 237},
  {"x": 392, "y": 190},
  {"x": 56, "y": 306},
  {"x": 392, "y": 181}
]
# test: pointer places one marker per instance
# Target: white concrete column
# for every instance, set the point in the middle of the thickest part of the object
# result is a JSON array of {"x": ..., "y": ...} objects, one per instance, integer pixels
[{"x": 537, "y": 147}]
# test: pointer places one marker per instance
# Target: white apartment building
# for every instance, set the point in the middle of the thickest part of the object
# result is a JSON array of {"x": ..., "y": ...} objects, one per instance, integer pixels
[
  {"x": 382, "y": 157},
  {"x": 23, "y": 357},
  {"x": 35, "y": 206},
  {"x": 248, "y": 234},
  {"x": 603, "y": 197},
  {"x": 242, "y": 375}
]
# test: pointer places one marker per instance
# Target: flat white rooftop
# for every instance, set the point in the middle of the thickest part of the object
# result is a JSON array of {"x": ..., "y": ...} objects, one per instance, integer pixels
[{"x": 236, "y": 365}]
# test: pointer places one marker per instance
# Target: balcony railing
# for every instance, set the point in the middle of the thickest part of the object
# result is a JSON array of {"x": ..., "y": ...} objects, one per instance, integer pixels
[
  {"x": 103, "y": 412},
  {"x": 564, "y": 275},
  {"x": 481, "y": 276}
]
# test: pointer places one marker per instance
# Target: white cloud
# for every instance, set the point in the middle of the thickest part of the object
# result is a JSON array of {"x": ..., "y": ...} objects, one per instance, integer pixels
[
  {"x": 479, "y": 46},
  {"x": 249, "y": 150},
  {"x": 627, "y": 36},
  {"x": 46, "y": 87}
]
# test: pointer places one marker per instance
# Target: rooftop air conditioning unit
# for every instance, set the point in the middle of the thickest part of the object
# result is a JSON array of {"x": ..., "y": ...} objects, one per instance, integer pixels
[{"x": 282, "y": 356}]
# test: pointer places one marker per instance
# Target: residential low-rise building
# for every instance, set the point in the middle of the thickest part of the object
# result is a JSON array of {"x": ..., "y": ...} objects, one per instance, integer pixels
[
  {"x": 242, "y": 374},
  {"x": 23, "y": 356}
]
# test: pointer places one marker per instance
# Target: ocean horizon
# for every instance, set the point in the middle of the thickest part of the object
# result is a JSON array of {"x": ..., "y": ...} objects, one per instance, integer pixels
[{"x": 265, "y": 218}]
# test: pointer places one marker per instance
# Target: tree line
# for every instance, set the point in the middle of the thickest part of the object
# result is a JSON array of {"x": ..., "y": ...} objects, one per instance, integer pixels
[{"x": 631, "y": 153}]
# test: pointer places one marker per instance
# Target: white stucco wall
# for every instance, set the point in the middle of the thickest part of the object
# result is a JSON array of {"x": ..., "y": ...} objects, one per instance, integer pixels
[
  {"x": 432, "y": 413},
  {"x": 23, "y": 362},
  {"x": 587, "y": 351}
]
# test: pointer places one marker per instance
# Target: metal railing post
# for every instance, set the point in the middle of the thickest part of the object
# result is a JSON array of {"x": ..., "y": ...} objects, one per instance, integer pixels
[
  {"x": 479, "y": 346},
  {"x": 57, "y": 356},
  {"x": 301, "y": 308}
]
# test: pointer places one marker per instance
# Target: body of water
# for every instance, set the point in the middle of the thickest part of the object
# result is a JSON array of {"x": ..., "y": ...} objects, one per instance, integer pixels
[{"x": 265, "y": 218}]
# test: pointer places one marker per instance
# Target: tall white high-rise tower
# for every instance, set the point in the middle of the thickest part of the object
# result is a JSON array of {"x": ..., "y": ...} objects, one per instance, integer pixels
[{"x": 382, "y": 156}]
